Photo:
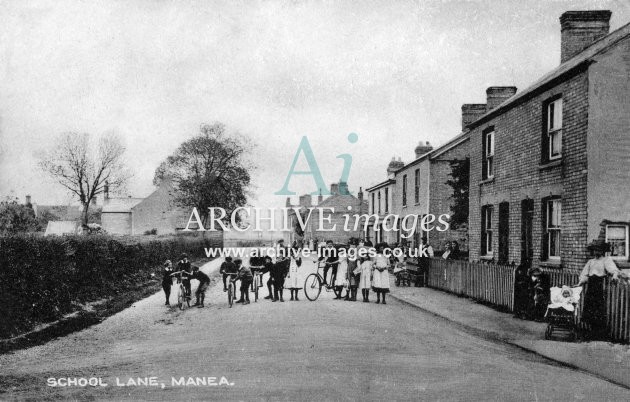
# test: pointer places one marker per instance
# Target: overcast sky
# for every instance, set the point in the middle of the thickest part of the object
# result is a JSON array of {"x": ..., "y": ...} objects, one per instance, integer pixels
[{"x": 394, "y": 72}]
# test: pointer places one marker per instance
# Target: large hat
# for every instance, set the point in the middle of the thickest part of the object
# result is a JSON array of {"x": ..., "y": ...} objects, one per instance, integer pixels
[{"x": 598, "y": 245}]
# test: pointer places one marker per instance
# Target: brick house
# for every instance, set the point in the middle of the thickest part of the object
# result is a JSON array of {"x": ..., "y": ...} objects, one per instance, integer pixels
[
  {"x": 440, "y": 193},
  {"x": 549, "y": 165},
  {"x": 135, "y": 216},
  {"x": 343, "y": 204},
  {"x": 381, "y": 202}
]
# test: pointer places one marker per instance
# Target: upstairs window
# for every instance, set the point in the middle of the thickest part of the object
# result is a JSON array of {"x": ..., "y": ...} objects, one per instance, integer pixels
[
  {"x": 617, "y": 237},
  {"x": 417, "y": 185},
  {"x": 386, "y": 199},
  {"x": 488, "y": 154},
  {"x": 379, "y": 202},
  {"x": 552, "y": 134},
  {"x": 404, "y": 191},
  {"x": 373, "y": 204},
  {"x": 486, "y": 230}
]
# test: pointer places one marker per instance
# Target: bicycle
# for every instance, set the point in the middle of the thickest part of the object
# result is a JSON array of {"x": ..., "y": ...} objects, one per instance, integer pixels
[
  {"x": 257, "y": 282},
  {"x": 313, "y": 283},
  {"x": 231, "y": 292},
  {"x": 183, "y": 298}
]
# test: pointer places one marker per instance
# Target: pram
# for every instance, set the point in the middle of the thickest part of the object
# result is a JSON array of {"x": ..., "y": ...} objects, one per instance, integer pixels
[
  {"x": 402, "y": 274},
  {"x": 562, "y": 312}
]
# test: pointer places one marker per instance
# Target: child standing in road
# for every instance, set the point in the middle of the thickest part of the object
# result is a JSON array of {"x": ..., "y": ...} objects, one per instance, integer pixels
[
  {"x": 380, "y": 283},
  {"x": 365, "y": 268},
  {"x": 291, "y": 281},
  {"x": 246, "y": 277},
  {"x": 167, "y": 280}
]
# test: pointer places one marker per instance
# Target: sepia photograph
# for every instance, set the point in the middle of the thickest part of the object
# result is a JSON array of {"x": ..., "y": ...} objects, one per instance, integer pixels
[{"x": 314, "y": 200}]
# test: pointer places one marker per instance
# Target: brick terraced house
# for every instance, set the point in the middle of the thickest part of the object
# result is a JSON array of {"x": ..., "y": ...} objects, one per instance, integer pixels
[{"x": 550, "y": 165}]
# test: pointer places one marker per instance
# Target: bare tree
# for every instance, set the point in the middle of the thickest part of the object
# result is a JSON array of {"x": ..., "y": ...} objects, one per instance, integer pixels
[{"x": 85, "y": 168}]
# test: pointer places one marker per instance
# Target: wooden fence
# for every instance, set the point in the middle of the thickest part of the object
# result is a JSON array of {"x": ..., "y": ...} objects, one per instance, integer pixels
[{"x": 494, "y": 284}]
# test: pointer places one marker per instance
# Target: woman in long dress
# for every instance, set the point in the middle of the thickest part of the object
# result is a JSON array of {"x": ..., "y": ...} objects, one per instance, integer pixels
[
  {"x": 380, "y": 283},
  {"x": 365, "y": 282},
  {"x": 594, "y": 274}
]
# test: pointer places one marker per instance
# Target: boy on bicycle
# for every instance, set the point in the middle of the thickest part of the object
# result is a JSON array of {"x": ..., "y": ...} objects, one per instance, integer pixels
[
  {"x": 227, "y": 267},
  {"x": 184, "y": 266},
  {"x": 246, "y": 277},
  {"x": 204, "y": 282}
]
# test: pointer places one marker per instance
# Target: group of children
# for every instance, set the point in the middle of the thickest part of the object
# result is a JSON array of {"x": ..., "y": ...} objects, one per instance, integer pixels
[
  {"x": 357, "y": 268},
  {"x": 186, "y": 272}
]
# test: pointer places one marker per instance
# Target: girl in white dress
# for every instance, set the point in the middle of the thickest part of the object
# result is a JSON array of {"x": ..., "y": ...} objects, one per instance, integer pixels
[
  {"x": 380, "y": 283},
  {"x": 341, "y": 278},
  {"x": 291, "y": 282},
  {"x": 365, "y": 282}
]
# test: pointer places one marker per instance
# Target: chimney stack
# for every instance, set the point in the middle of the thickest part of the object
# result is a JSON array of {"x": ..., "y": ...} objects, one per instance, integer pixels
[
  {"x": 334, "y": 188},
  {"x": 305, "y": 200},
  {"x": 497, "y": 95},
  {"x": 343, "y": 188},
  {"x": 471, "y": 112},
  {"x": 106, "y": 192},
  {"x": 28, "y": 200},
  {"x": 360, "y": 195},
  {"x": 393, "y": 166},
  {"x": 288, "y": 202},
  {"x": 422, "y": 149},
  {"x": 579, "y": 29},
  {"x": 320, "y": 197}
]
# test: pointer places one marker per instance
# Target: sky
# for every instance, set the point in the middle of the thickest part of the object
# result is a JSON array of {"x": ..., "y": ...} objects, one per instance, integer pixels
[{"x": 393, "y": 72}]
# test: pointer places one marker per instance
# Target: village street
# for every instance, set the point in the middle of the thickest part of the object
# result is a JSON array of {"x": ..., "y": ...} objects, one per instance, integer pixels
[{"x": 324, "y": 350}]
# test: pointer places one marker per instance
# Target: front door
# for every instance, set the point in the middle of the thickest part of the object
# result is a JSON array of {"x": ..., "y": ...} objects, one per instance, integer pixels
[
  {"x": 504, "y": 233},
  {"x": 527, "y": 222}
]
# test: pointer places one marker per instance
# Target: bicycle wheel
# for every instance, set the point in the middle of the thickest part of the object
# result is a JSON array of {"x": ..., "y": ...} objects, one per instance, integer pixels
[
  {"x": 312, "y": 287},
  {"x": 256, "y": 288},
  {"x": 181, "y": 296},
  {"x": 230, "y": 294}
]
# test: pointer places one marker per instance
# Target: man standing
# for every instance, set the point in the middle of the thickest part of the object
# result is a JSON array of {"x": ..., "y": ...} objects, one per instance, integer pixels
[
  {"x": 425, "y": 253},
  {"x": 280, "y": 270},
  {"x": 204, "y": 282}
]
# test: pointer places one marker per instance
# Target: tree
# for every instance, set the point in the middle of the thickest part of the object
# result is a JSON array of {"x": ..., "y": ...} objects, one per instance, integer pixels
[
  {"x": 209, "y": 170},
  {"x": 85, "y": 168},
  {"x": 459, "y": 182},
  {"x": 16, "y": 218}
]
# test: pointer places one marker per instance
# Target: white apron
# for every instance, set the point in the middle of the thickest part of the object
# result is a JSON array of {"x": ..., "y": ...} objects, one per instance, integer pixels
[
  {"x": 292, "y": 279},
  {"x": 366, "y": 271},
  {"x": 342, "y": 270}
]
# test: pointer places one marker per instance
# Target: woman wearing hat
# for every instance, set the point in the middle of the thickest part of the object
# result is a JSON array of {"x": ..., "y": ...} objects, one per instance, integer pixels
[{"x": 593, "y": 275}]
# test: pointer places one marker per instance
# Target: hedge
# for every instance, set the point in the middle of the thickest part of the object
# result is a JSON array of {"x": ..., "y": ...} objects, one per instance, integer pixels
[{"x": 43, "y": 278}]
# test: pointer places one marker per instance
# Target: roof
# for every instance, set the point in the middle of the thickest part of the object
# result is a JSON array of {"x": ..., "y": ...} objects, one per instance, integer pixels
[
  {"x": 120, "y": 204},
  {"x": 62, "y": 227},
  {"x": 455, "y": 141},
  {"x": 381, "y": 184},
  {"x": 580, "y": 60},
  {"x": 63, "y": 212}
]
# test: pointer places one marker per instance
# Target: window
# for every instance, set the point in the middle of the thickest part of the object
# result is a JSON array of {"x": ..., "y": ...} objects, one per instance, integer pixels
[
  {"x": 553, "y": 132},
  {"x": 553, "y": 226},
  {"x": 373, "y": 204},
  {"x": 488, "y": 154},
  {"x": 617, "y": 237},
  {"x": 417, "y": 185},
  {"x": 404, "y": 191},
  {"x": 486, "y": 230},
  {"x": 386, "y": 199},
  {"x": 379, "y": 202}
]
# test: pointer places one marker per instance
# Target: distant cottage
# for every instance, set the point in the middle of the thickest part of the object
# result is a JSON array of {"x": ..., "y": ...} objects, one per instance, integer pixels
[{"x": 135, "y": 216}]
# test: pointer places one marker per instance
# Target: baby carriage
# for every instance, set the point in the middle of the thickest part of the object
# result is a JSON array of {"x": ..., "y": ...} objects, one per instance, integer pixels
[
  {"x": 562, "y": 312},
  {"x": 401, "y": 274}
]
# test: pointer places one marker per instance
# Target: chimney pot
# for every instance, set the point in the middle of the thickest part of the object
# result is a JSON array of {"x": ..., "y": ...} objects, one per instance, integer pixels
[
  {"x": 28, "y": 200},
  {"x": 497, "y": 95},
  {"x": 423, "y": 148},
  {"x": 580, "y": 29}
]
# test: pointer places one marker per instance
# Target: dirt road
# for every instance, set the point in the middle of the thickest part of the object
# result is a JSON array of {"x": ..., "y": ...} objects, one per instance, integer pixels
[{"x": 324, "y": 350}]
